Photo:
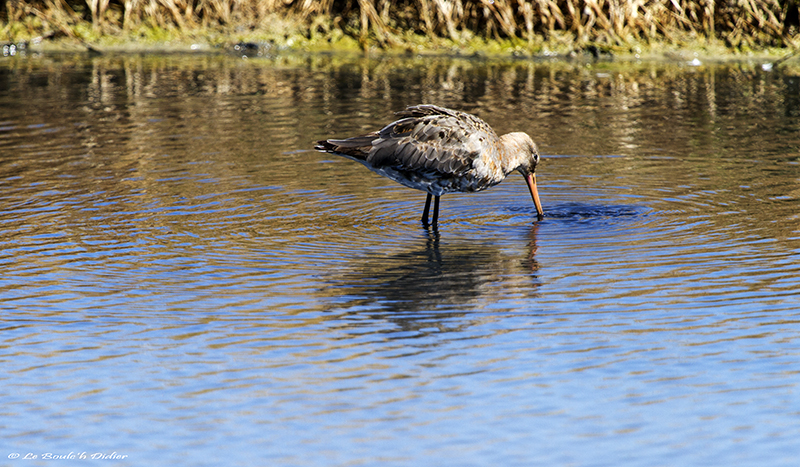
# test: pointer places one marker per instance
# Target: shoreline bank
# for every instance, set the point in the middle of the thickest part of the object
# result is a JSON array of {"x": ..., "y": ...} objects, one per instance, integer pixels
[
  {"x": 596, "y": 29},
  {"x": 251, "y": 46}
]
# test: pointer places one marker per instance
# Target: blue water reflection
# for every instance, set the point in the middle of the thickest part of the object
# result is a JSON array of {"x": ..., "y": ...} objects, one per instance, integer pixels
[{"x": 185, "y": 282}]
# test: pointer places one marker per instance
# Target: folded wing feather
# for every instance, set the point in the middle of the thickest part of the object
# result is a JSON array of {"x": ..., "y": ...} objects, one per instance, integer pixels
[{"x": 426, "y": 138}]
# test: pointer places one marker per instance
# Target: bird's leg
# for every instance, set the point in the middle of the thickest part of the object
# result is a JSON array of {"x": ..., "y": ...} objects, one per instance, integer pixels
[
  {"x": 426, "y": 210},
  {"x": 435, "y": 211}
]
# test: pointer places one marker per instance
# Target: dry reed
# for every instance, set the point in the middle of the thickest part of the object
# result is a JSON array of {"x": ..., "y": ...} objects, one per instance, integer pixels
[{"x": 385, "y": 22}]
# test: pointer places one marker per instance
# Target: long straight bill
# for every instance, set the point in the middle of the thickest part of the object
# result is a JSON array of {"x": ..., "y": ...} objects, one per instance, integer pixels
[{"x": 530, "y": 179}]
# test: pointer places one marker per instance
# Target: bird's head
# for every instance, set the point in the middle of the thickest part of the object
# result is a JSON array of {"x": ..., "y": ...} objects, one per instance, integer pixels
[{"x": 526, "y": 158}]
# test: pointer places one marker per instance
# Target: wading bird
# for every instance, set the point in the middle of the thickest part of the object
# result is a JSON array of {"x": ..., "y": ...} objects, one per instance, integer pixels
[{"x": 438, "y": 150}]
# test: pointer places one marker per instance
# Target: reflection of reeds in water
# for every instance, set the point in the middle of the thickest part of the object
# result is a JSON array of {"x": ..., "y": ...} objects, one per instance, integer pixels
[
  {"x": 125, "y": 116},
  {"x": 739, "y": 23},
  {"x": 547, "y": 100}
]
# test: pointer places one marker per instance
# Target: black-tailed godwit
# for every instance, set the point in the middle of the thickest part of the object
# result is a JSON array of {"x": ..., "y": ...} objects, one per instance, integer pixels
[{"x": 438, "y": 150}]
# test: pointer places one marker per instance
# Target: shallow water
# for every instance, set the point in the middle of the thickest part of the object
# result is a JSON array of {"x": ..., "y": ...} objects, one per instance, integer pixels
[{"x": 186, "y": 282}]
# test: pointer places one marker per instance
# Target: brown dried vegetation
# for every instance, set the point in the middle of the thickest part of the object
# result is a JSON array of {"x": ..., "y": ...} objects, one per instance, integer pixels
[{"x": 739, "y": 23}]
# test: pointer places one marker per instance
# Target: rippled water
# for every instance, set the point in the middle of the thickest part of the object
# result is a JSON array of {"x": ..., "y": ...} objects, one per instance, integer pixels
[{"x": 186, "y": 282}]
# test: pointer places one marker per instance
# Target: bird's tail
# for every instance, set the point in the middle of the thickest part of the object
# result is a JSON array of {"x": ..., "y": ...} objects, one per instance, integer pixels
[{"x": 357, "y": 147}]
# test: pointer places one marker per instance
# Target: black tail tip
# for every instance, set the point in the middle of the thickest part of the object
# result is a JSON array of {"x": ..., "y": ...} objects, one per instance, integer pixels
[{"x": 323, "y": 145}]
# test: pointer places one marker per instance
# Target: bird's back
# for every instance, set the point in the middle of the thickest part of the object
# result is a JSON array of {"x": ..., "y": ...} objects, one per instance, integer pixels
[{"x": 430, "y": 148}]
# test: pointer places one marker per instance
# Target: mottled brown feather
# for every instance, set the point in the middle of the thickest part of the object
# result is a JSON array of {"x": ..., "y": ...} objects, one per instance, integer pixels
[
  {"x": 427, "y": 138},
  {"x": 439, "y": 150}
]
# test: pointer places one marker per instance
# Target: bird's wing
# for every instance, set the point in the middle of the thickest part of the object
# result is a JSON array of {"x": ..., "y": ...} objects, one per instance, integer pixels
[{"x": 432, "y": 138}]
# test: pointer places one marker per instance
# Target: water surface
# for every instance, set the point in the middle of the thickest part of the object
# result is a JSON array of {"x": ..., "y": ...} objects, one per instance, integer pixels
[{"x": 186, "y": 282}]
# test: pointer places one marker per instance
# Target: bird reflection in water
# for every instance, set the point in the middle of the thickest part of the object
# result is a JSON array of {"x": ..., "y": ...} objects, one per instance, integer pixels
[{"x": 448, "y": 278}]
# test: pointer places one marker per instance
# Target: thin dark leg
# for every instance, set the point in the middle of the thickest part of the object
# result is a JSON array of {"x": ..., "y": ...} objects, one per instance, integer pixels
[
  {"x": 435, "y": 211},
  {"x": 427, "y": 209}
]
